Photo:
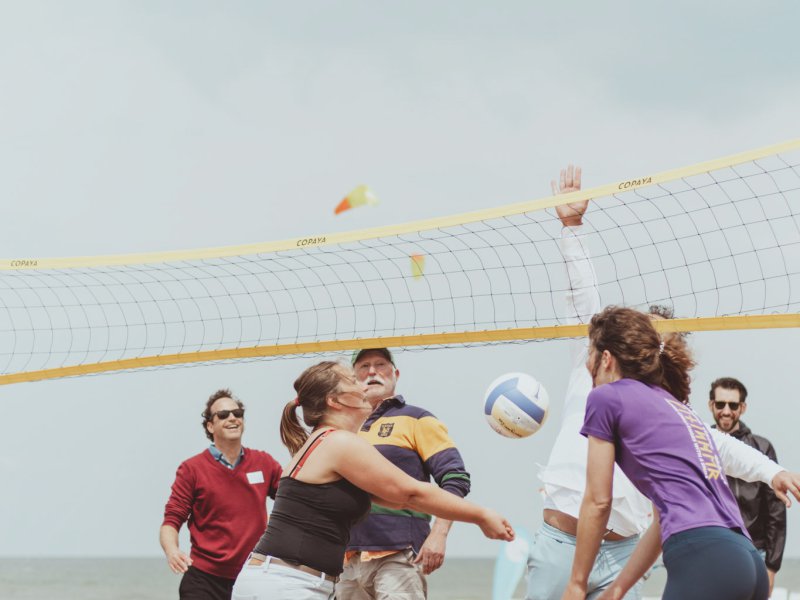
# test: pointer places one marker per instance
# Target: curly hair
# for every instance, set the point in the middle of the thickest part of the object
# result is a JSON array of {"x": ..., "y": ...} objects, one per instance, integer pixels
[
  {"x": 641, "y": 353},
  {"x": 207, "y": 416}
]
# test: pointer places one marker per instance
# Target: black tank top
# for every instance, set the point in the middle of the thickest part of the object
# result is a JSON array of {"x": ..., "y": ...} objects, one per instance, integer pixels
[{"x": 310, "y": 522}]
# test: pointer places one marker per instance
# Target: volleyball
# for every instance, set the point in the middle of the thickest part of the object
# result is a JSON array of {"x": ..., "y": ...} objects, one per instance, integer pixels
[{"x": 516, "y": 405}]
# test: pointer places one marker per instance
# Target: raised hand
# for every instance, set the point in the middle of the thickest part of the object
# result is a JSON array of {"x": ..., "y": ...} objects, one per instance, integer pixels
[{"x": 570, "y": 181}]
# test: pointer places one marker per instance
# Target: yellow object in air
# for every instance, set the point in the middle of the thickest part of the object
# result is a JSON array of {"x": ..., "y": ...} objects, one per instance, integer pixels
[
  {"x": 417, "y": 265},
  {"x": 360, "y": 196}
]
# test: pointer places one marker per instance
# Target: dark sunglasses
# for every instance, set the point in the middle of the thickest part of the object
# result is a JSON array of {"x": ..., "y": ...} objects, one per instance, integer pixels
[
  {"x": 734, "y": 406},
  {"x": 224, "y": 414}
]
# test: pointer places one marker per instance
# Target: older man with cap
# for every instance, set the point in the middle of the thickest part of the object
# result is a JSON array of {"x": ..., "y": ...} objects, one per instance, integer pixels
[{"x": 390, "y": 552}]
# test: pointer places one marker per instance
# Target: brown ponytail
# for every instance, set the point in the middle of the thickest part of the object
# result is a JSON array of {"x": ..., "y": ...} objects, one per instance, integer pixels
[
  {"x": 293, "y": 435},
  {"x": 676, "y": 362},
  {"x": 313, "y": 387},
  {"x": 631, "y": 338}
]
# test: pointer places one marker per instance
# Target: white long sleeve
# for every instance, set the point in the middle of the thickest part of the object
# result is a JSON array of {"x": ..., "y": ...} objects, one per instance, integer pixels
[{"x": 742, "y": 461}]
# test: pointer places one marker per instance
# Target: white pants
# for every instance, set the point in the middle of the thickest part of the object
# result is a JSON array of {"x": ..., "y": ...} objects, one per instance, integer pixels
[{"x": 276, "y": 582}]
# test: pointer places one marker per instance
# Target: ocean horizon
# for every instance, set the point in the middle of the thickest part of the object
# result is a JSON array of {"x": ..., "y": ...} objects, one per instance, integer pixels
[{"x": 149, "y": 578}]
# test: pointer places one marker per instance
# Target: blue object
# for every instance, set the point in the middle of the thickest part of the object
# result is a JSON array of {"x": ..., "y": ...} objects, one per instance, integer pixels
[{"x": 510, "y": 565}]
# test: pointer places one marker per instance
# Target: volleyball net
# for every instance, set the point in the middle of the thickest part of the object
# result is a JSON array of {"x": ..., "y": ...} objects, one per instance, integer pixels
[{"x": 718, "y": 242}]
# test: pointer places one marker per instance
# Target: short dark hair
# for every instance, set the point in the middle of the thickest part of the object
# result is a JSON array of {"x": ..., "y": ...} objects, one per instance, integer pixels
[
  {"x": 660, "y": 310},
  {"x": 382, "y": 351},
  {"x": 207, "y": 416},
  {"x": 729, "y": 383}
]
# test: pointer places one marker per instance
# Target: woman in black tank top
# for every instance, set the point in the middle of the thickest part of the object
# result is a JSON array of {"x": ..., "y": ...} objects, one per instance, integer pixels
[{"x": 328, "y": 486}]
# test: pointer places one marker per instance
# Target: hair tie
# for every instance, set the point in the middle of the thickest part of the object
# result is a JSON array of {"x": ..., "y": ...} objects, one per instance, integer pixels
[
  {"x": 661, "y": 348},
  {"x": 297, "y": 401}
]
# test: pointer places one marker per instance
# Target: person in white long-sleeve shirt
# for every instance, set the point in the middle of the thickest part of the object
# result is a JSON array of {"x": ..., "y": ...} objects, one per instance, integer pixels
[{"x": 564, "y": 476}]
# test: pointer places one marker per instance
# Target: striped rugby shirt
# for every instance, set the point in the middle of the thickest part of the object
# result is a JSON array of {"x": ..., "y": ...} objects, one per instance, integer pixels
[{"x": 418, "y": 443}]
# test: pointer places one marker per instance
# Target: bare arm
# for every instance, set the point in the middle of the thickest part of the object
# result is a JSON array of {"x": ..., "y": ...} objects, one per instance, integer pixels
[
  {"x": 361, "y": 464},
  {"x": 593, "y": 517},
  {"x": 643, "y": 557},
  {"x": 177, "y": 560},
  {"x": 432, "y": 552}
]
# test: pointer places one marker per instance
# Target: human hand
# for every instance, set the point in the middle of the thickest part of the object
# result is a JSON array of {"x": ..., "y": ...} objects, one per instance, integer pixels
[
  {"x": 771, "y": 575},
  {"x": 431, "y": 554},
  {"x": 570, "y": 181},
  {"x": 496, "y": 527},
  {"x": 178, "y": 561},
  {"x": 785, "y": 483}
]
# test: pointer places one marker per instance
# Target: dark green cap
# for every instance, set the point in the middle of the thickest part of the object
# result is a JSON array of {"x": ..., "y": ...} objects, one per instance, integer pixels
[{"x": 357, "y": 354}]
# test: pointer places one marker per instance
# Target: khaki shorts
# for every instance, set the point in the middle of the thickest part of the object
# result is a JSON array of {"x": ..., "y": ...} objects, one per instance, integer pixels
[{"x": 393, "y": 577}]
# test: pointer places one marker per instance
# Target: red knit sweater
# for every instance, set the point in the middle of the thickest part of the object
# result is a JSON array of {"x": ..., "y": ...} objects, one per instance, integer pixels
[{"x": 226, "y": 508}]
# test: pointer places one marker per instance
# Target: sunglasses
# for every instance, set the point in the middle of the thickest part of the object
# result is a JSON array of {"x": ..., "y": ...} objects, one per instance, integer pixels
[
  {"x": 734, "y": 406},
  {"x": 224, "y": 414}
]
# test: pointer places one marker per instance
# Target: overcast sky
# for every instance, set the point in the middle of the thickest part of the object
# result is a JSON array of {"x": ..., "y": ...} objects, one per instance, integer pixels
[{"x": 147, "y": 126}]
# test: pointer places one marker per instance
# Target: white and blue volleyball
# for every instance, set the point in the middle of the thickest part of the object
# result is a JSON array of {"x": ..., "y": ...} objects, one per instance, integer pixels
[{"x": 516, "y": 405}]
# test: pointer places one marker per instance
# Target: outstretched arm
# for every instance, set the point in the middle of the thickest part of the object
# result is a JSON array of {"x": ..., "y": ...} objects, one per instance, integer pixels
[
  {"x": 582, "y": 297},
  {"x": 362, "y": 465},
  {"x": 748, "y": 464}
]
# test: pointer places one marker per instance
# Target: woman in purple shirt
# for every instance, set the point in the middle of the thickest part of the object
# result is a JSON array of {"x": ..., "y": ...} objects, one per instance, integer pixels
[{"x": 638, "y": 416}]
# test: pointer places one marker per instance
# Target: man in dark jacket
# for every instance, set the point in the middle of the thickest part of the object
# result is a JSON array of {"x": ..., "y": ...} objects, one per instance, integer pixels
[{"x": 763, "y": 513}]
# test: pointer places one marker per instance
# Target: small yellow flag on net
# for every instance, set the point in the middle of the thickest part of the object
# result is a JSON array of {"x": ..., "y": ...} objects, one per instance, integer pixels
[
  {"x": 417, "y": 265},
  {"x": 360, "y": 196}
]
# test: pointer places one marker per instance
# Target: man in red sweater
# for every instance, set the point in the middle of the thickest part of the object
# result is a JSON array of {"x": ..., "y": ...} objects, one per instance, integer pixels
[{"x": 222, "y": 492}]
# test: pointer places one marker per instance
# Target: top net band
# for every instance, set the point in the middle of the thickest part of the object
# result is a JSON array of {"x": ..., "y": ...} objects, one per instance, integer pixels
[{"x": 718, "y": 242}]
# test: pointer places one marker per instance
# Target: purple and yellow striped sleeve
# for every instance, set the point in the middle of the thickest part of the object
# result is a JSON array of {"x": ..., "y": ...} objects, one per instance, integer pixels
[{"x": 440, "y": 456}]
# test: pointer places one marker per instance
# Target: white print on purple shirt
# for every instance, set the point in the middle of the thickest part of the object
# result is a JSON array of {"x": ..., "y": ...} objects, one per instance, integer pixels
[{"x": 706, "y": 453}]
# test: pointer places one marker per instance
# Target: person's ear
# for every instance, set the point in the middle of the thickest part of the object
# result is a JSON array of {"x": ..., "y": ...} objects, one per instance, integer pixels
[{"x": 742, "y": 408}]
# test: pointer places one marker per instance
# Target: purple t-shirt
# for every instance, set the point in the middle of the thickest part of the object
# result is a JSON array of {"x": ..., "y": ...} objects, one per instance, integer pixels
[{"x": 666, "y": 452}]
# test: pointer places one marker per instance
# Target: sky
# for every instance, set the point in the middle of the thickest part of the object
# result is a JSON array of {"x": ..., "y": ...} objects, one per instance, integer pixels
[{"x": 150, "y": 126}]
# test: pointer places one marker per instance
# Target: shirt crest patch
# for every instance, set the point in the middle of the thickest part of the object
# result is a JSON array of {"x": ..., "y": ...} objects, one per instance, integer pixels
[{"x": 385, "y": 430}]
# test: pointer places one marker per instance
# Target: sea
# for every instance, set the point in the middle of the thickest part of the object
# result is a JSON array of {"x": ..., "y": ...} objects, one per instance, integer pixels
[{"x": 150, "y": 579}]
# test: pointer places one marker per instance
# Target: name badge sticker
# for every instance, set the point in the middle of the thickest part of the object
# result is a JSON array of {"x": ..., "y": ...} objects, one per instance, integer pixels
[{"x": 255, "y": 477}]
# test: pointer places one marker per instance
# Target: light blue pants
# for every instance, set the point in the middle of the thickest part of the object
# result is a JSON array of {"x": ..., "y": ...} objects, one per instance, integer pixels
[
  {"x": 550, "y": 565},
  {"x": 276, "y": 582}
]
